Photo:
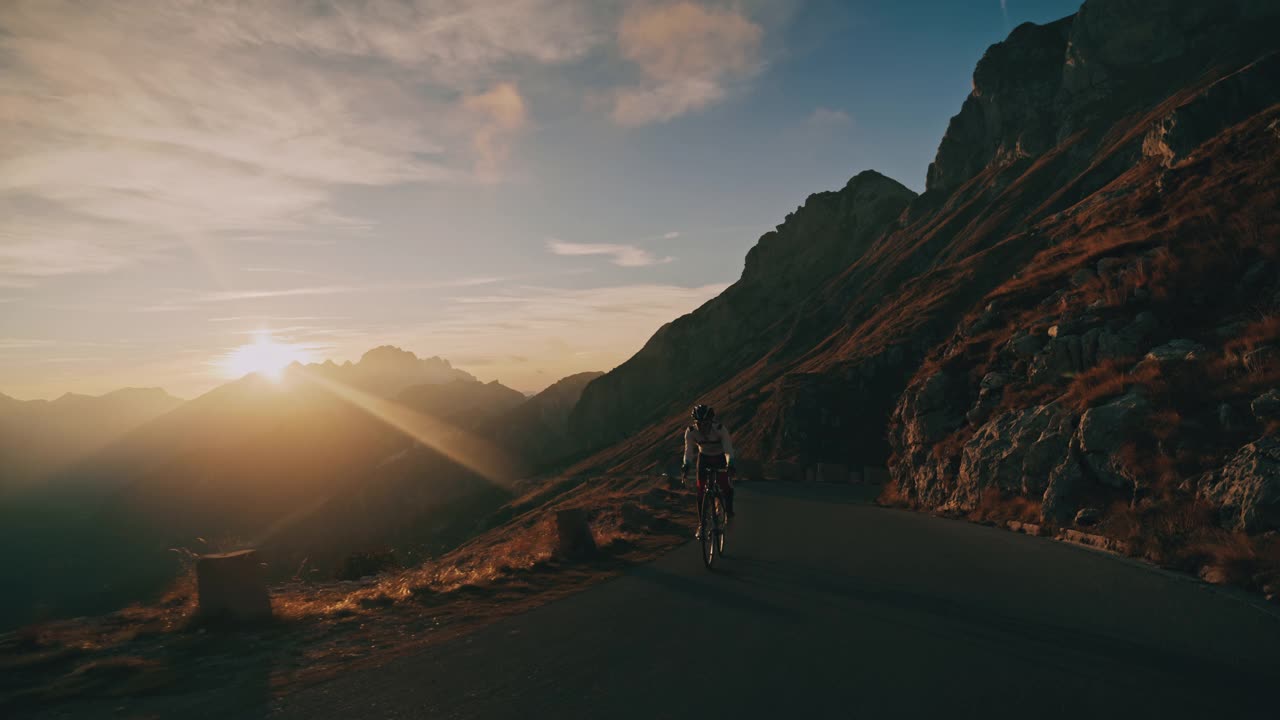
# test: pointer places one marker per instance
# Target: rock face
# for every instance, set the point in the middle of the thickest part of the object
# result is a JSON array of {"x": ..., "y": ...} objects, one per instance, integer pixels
[
  {"x": 1248, "y": 489},
  {"x": 1015, "y": 451},
  {"x": 1010, "y": 113},
  {"x": 773, "y": 299},
  {"x": 232, "y": 587},
  {"x": 1099, "y": 397}
]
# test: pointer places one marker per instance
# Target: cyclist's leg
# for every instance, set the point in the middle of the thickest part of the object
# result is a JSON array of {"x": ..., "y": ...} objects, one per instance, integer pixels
[{"x": 716, "y": 466}]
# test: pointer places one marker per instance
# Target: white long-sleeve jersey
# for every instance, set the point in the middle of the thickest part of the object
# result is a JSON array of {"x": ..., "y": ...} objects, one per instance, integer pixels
[{"x": 714, "y": 441}]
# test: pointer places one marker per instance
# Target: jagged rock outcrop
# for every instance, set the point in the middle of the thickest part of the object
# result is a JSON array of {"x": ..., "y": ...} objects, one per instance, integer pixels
[
  {"x": 1247, "y": 489},
  {"x": 387, "y": 371},
  {"x": 1142, "y": 333},
  {"x": 1010, "y": 113}
]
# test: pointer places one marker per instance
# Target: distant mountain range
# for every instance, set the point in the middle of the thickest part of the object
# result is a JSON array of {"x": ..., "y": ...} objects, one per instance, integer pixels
[
  {"x": 312, "y": 467},
  {"x": 38, "y": 437}
]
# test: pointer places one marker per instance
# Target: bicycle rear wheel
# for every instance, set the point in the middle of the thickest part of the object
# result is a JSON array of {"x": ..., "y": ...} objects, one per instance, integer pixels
[{"x": 709, "y": 533}]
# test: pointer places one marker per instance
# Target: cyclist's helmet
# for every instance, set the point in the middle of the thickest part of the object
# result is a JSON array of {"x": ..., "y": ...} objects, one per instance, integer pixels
[{"x": 703, "y": 413}]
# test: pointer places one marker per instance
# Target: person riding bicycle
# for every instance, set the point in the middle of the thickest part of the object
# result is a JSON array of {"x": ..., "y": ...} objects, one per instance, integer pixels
[{"x": 714, "y": 448}]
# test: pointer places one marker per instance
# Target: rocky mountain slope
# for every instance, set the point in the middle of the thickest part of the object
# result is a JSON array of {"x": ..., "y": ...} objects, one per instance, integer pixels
[{"x": 1079, "y": 312}]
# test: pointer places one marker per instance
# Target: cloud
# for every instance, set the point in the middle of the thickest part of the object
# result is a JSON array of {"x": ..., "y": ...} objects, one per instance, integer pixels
[
  {"x": 671, "y": 235},
  {"x": 500, "y": 114},
  {"x": 24, "y": 343},
  {"x": 169, "y": 122},
  {"x": 278, "y": 270},
  {"x": 191, "y": 301},
  {"x": 623, "y": 255},
  {"x": 828, "y": 118},
  {"x": 291, "y": 318},
  {"x": 559, "y": 329},
  {"x": 687, "y": 55},
  {"x": 229, "y": 295}
]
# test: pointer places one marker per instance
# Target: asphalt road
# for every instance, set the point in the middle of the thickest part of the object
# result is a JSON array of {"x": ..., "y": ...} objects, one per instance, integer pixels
[{"x": 833, "y": 608}]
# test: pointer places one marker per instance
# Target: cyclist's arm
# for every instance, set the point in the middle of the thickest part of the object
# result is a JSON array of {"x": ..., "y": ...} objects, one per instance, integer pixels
[
  {"x": 690, "y": 447},
  {"x": 727, "y": 442}
]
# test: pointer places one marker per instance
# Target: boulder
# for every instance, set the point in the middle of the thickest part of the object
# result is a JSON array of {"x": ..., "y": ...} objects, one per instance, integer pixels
[
  {"x": 1114, "y": 346},
  {"x": 574, "y": 539},
  {"x": 992, "y": 381},
  {"x": 1104, "y": 429},
  {"x": 1015, "y": 451},
  {"x": 1247, "y": 489},
  {"x": 1176, "y": 350},
  {"x": 1062, "y": 356},
  {"x": 232, "y": 586},
  {"x": 1266, "y": 407},
  {"x": 1088, "y": 516},
  {"x": 1026, "y": 346},
  {"x": 1058, "y": 505}
]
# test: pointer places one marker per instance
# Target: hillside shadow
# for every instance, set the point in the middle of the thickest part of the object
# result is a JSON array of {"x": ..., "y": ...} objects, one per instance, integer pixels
[
  {"x": 707, "y": 589},
  {"x": 1059, "y": 646}
]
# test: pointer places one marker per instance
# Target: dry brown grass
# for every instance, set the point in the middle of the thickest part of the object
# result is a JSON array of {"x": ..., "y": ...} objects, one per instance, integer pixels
[
  {"x": 1110, "y": 378},
  {"x": 891, "y": 495},
  {"x": 326, "y": 627},
  {"x": 996, "y": 506}
]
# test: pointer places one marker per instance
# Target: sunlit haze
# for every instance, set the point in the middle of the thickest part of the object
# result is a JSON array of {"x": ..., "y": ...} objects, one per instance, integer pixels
[
  {"x": 528, "y": 189},
  {"x": 265, "y": 356}
]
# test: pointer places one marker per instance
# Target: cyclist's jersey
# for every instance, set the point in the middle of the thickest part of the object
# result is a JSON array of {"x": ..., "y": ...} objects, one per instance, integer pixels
[{"x": 715, "y": 441}]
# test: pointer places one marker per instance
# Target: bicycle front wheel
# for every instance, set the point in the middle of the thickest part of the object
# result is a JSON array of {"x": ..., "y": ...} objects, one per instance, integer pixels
[{"x": 722, "y": 526}]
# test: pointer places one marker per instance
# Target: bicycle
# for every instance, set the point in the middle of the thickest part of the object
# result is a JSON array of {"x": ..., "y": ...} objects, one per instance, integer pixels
[{"x": 715, "y": 518}]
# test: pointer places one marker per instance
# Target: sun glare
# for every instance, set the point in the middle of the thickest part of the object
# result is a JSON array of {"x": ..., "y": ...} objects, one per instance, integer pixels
[{"x": 264, "y": 356}]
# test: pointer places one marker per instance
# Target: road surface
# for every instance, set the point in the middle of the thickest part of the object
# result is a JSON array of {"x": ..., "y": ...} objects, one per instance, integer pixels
[{"x": 827, "y": 607}]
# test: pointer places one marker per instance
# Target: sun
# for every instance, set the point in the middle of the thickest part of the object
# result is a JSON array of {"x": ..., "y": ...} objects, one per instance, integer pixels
[{"x": 264, "y": 356}]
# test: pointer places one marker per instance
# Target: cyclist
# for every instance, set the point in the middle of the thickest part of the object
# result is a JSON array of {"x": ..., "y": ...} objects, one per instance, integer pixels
[{"x": 710, "y": 440}]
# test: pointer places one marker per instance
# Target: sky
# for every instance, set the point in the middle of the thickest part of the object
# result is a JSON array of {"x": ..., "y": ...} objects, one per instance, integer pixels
[{"x": 529, "y": 188}]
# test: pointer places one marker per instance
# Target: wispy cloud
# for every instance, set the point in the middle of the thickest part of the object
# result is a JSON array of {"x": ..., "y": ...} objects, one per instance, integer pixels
[
  {"x": 24, "y": 343},
  {"x": 278, "y": 270},
  {"x": 277, "y": 318},
  {"x": 191, "y": 301},
  {"x": 500, "y": 113},
  {"x": 687, "y": 55},
  {"x": 156, "y": 123},
  {"x": 229, "y": 295},
  {"x": 563, "y": 330},
  {"x": 671, "y": 235},
  {"x": 622, "y": 255},
  {"x": 825, "y": 117}
]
